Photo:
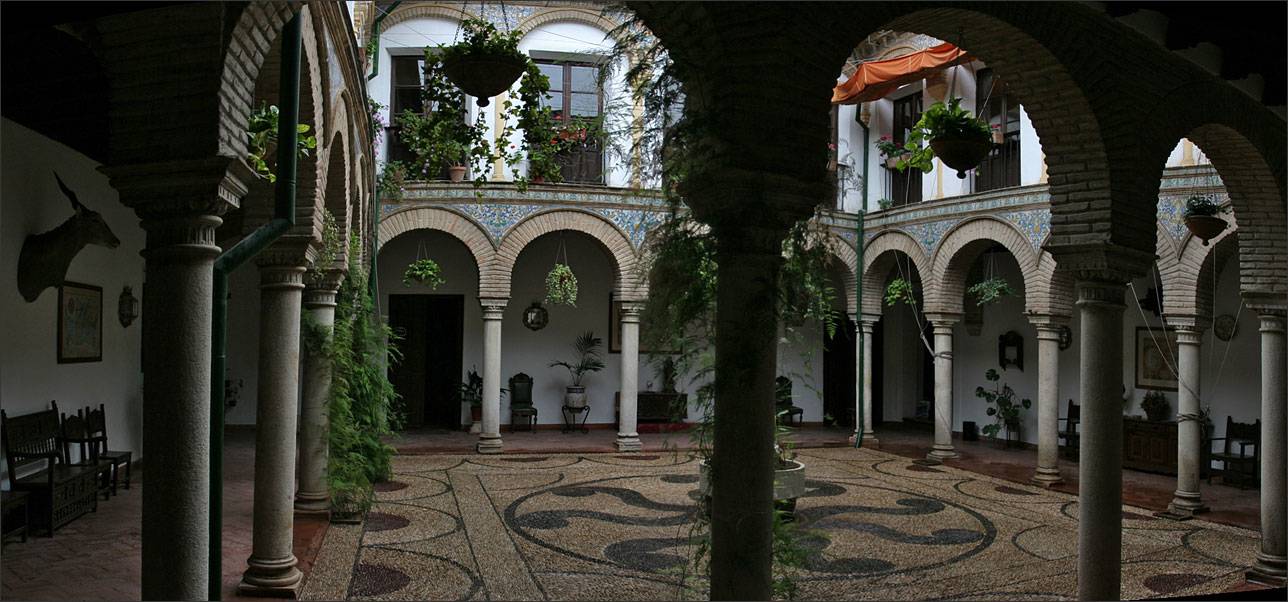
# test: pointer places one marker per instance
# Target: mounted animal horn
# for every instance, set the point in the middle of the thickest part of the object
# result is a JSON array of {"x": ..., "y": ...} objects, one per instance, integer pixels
[{"x": 45, "y": 257}]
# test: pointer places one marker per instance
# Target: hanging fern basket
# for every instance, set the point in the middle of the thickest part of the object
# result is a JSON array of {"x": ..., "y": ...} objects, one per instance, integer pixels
[
  {"x": 1206, "y": 227},
  {"x": 961, "y": 154},
  {"x": 484, "y": 75},
  {"x": 561, "y": 286}
]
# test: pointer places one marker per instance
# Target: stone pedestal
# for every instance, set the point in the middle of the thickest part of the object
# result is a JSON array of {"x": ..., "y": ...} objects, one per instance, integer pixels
[
  {"x": 1271, "y": 558},
  {"x": 627, "y": 437},
  {"x": 865, "y": 381},
  {"x": 1189, "y": 431},
  {"x": 319, "y": 301},
  {"x": 490, "y": 437},
  {"x": 271, "y": 567},
  {"x": 1100, "y": 307},
  {"x": 1048, "y": 469},
  {"x": 943, "y": 326}
]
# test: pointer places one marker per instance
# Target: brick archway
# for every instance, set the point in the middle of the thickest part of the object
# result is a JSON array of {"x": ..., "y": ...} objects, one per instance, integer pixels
[
  {"x": 454, "y": 224},
  {"x": 628, "y": 285},
  {"x": 849, "y": 274},
  {"x": 959, "y": 249},
  {"x": 1187, "y": 276},
  {"x": 880, "y": 255},
  {"x": 575, "y": 15}
]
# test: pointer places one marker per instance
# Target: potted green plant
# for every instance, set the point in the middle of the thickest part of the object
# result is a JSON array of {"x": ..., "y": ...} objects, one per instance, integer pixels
[
  {"x": 561, "y": 286},
  {"x": 884, "y": 204},
  {"x": 424, "y": 272},
  {"x": 1202, "y": 217},
  {"x": 900, "y": 291},
  {"x": 1001, "y": 406},
  {"x": 1155, "y": 406},
  {"x": 471, "y": 392},
  {"x": 954, "y": 134},
  {"x": 261, "y": 141},
  {"x": 990, "y": 290},
  {"x": 485, "y": 62},
  {"x": 891, "y": 152},
  {"x": 588, "y": 360}
]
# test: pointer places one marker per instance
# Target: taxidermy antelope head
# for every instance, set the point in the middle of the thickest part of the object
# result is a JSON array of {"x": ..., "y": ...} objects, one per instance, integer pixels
[{"x": 45, "y": 257}]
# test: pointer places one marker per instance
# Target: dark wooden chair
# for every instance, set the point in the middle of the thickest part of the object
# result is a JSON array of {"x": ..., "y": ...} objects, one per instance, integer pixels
[
  {"x": 96, "y": 422},
  {"x": 521, "y": 407},
  {"x": 1069, "y": 435},
  {"x": 59, "y": 493},
  {"x": 783, "y": 406},
  {"x": 76, "y": 435},
  {"x": 1240, "y": 468}
]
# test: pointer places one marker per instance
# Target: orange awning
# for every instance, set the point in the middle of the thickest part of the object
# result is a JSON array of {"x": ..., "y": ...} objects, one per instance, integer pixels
[{"x": 876, "y": 79}]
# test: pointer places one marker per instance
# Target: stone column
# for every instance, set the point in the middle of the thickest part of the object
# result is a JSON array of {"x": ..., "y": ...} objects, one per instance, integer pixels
[
  {"x": 1189, "y": 431},
  {"x": 1100, "y": 307},
  {"x": 1272, "y": 558},
  {"x": 1048, "y": 470},
  {"x": 319, "y": 300},
  {"x": 179, "y": 204},
  {"x": 627, "y": 438},
  {"x": 490, "y": 437},
  {"x": 865, "y": 381},
  {"x": 271, "y": 567},
  {"x": 943, "y": 327}
]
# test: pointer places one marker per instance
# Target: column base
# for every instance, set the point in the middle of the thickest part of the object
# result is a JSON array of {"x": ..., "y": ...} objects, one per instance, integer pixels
[
  {"x": 1269, "y": 570},
  {"x": 1183, "y": 507},
  {"x": 312, "y": 503},
  {"x": 942, "y": 453},
  {"x": 489, "y": 445},
  {"x": 1046, "y": 477},
  {"x": 476, "y": 428},
  {"x": 629, "y": 443},
  {"x": 869, "y": 441},
  {"x": 271, "y": 578}
]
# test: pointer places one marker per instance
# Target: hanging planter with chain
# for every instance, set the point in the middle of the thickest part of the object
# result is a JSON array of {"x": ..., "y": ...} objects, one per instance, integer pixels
[
  {"x": 955, "y": 135},
  {"x": 1202, "y": 217},
  {"x": 561, "y": 284},
  {"x": 486, "y": 62},
  {"x": 423, "y": 271},
  {"x": 992, "y": 287}
]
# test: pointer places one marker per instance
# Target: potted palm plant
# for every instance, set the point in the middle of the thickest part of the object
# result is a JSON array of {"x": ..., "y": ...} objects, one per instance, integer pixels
[
  {"x": 588, "y": 360},
  {"x": 1202, "y": 217},
  {"x": 472, "y": 393}
]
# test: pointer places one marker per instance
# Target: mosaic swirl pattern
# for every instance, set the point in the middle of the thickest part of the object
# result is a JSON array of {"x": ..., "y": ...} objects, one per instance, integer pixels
[{"x": 617, "y": 526}]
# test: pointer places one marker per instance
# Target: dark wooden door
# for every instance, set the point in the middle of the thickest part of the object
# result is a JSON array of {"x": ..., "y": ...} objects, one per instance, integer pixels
[
  {"x": 839, "y": 371},
  {"x": 430, "y": 329}
]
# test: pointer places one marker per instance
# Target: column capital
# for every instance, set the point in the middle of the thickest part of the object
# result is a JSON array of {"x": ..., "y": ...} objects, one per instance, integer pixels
[
  {"x": 1189, "y": 327},
  {"x": 493, "y": 307},
  {"x": 1102, "y": 261},
  {"x": 631, "y": 311},
  {"x": 1102, "y": 293},
  {"x": 1049, "y": 322},
  {"x": 1272, "y": 321},
  {"x": 1265, "y": 303},
  {"x": 170, "y": 189},
  {"x": 943, "y": 319},
  {"x": 321, "y": 286}
]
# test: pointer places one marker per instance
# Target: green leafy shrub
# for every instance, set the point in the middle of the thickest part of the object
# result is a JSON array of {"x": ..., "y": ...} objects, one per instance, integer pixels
[
  {"x": 424, "y": 272},
  {"x": 942, "y": 121},
  {"x": 989, "y": 290},
  {"x": 900, "y": 291},
  {"x": 561, "y": 286},
  {"x": 393, "y": 177},
  {"x": 1001, "y": 405},
  {"x": 1155, "y": 405}
]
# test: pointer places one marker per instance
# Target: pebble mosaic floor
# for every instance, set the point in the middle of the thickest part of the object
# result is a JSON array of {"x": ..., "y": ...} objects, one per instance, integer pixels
[{"x": 615, "y": 526}]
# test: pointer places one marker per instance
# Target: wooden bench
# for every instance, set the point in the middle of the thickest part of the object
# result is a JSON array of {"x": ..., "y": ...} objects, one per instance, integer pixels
[{"x": 59, "y": 493}]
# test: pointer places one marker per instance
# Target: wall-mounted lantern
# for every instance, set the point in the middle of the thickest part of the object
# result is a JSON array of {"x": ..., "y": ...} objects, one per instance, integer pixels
[
  {"x": 536, "y": 317},
  {"x": 1010, "y": 350},
  {"x": 127, "y": 309}
]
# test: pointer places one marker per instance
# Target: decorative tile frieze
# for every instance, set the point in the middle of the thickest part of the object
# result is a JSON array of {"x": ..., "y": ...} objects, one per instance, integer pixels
[
  {"x": 928, "y": 234},
  {"x": 1034, "y": 224}
]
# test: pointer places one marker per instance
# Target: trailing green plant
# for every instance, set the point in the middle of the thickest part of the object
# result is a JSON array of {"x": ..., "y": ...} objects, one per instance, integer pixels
[
  {"x": 261, "y": 141},
  {"x": 1001, "y": 405},
  {"x": 481, "y": 38},
  {"x": 1203, "y": 205},
  {"x": 561, "y": 286},
  {"x": 990, "y": 290},
  {"x": 330, "y": 249},
  {"x": 393, "y": 177},
  {"x": 375, "y": 110},
  {"x": 884, "y": 204},
  {"x": 941, "y": 121},
  {"x": 364, "y": 405},
  {"x": 1155, "y": 405},
  {"x": 588, "y": 358},
  {"x": 900, "y": 291},
  {"x": 423, "y": 272}
]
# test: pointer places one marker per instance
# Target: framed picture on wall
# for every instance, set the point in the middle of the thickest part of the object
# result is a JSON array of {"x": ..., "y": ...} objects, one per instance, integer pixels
[
  {"x": 80, "y": 323},
  {"x": 1155, "y": 358}
]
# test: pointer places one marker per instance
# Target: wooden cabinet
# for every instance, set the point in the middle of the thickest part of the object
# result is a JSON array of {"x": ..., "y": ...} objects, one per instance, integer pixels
[
  {"x": 1151, "y": 447},
  {"x": 654, "y": 406}
]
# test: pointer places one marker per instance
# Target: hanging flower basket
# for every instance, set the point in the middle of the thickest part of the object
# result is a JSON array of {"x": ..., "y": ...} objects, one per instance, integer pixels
[
  {"x": 486, "y": 62},
  {"x": 561, "y": 286},
  {"x": 961, "y": 154},
  {"x": 424, "y": 272},
  {"x": 1206, "y": 227}
]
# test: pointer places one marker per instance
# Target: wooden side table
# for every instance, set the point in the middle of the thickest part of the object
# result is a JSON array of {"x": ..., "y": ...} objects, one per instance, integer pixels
[{"x": 15, "y": 513}]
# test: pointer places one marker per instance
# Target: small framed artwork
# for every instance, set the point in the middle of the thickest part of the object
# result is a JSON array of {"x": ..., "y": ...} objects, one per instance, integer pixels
[
  {"x": 80, "y": 323},
  {"x": 1155, "y": 355}
]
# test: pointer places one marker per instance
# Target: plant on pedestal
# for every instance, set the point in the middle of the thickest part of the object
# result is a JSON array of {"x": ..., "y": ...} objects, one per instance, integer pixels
[
  {"x": 1001, "y": 406},
  {"x": 588, "y": 361}
]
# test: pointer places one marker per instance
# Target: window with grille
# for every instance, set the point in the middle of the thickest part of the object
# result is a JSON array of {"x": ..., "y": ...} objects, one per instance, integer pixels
[
  {"x": 905, "y": 186},
  {"x": 1001, "y": 168},
  {"x": 408, "y": 78},
  {"x": 574, "y": 92}
]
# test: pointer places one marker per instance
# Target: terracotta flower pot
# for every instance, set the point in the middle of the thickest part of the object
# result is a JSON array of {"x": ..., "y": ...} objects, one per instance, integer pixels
[
  {"x": 456, "y": 173},
  {"x": 484, "y": 76},
  {"x": 476, "y": 413},
  {"x": 893, "y": 162},
  {"x": 961, "y": 154},
  {"x": 1206, "y": 227}
]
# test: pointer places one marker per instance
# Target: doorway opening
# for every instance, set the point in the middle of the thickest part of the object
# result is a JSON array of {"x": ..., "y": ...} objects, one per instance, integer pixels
[{"x": 430, "y": 330}]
